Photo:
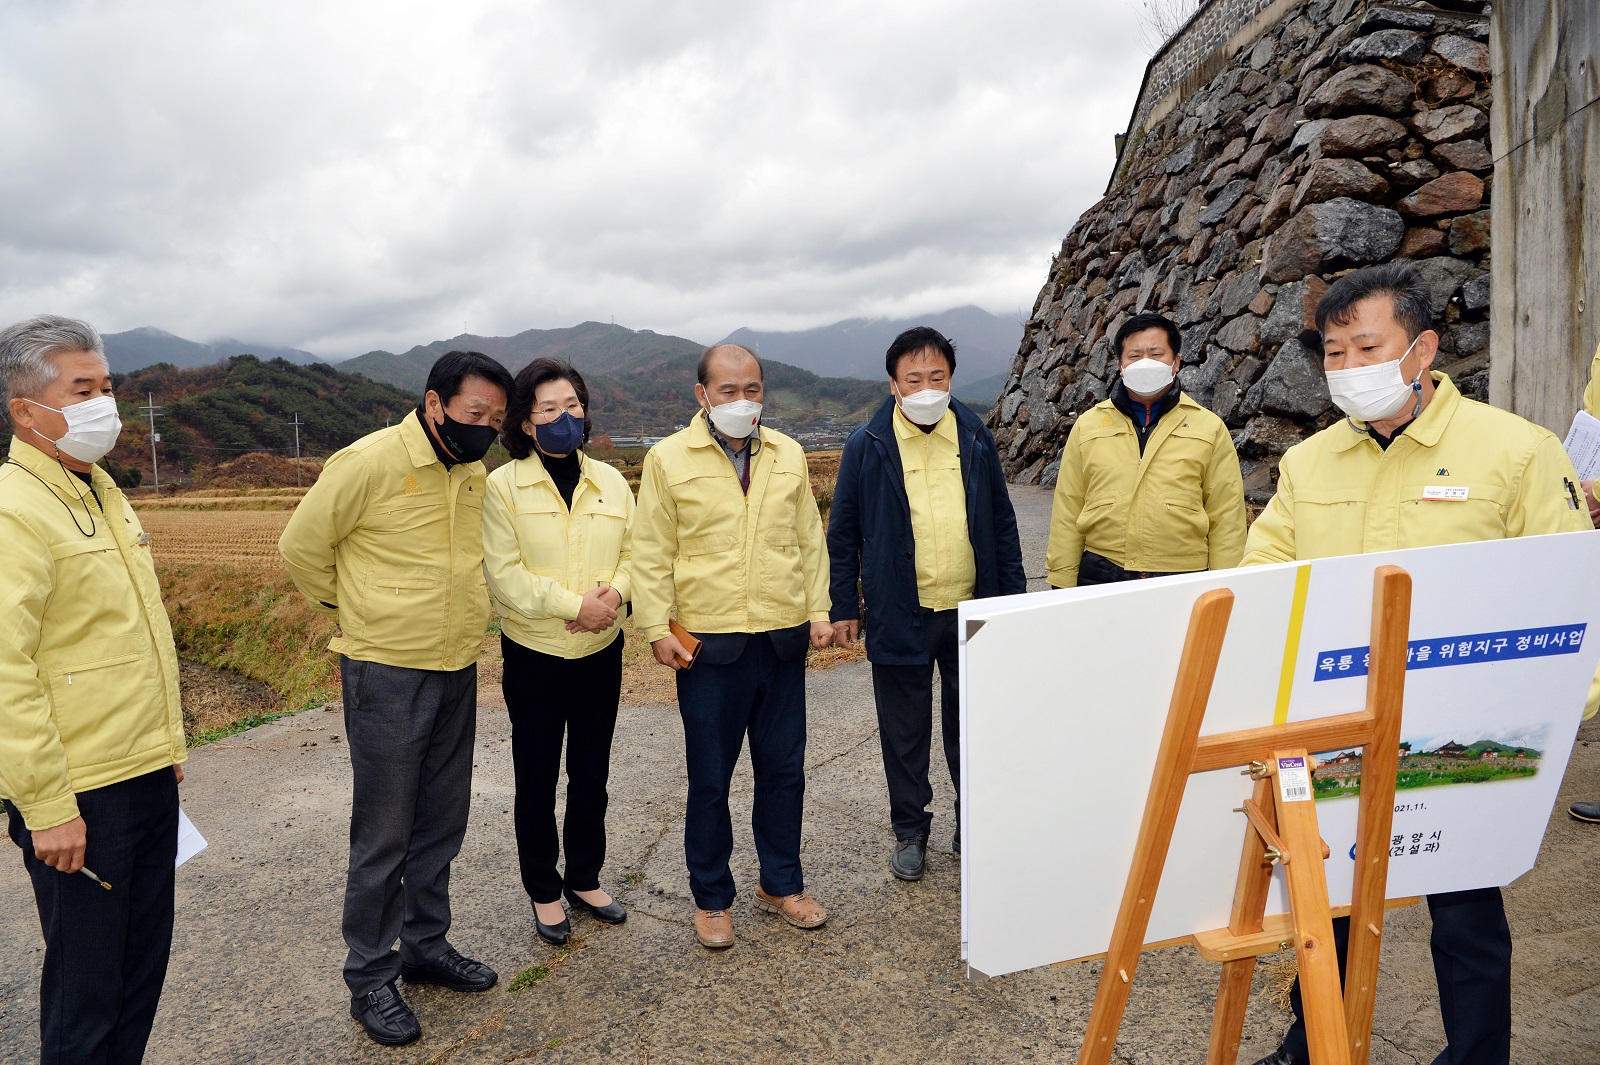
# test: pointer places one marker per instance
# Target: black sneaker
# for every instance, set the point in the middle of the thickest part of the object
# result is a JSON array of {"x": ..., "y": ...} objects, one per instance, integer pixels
[
  {"x": 386, "y": 1017},
  {"x": 910, "y": 859},
  {"x": 1282, "y": 1057},
  {"x": 453, "y": 971}
]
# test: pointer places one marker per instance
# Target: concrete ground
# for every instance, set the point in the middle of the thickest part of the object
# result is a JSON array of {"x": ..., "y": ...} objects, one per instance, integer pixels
[{"x": 255, "y": 973}]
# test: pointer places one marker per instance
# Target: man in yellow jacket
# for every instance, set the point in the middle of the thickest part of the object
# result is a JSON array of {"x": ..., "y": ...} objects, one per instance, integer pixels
[
  {"x": 728, "y": 533},
  {"x": 1590, "y": 811},
  {"x": 390, "y": 540},
  {"x": 1149, "y": 481},
  {"x": 1416, "y": 465},
  {"x": 91, "y": 730}
]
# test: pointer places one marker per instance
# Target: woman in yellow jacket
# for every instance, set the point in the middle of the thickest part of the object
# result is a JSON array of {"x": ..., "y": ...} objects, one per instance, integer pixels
[{"x": 556, "y": 528}]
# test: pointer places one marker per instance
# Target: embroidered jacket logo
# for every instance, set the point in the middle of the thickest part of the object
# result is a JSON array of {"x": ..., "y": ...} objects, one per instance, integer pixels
[
  {"x": 410, "y": 487},
  {"x": 1442, "y": 472}
]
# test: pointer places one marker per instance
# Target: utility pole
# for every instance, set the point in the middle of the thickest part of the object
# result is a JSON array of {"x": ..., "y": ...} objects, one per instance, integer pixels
[
  {"x": 297, "y": 449},
  {"x": 152, "y": 410}
]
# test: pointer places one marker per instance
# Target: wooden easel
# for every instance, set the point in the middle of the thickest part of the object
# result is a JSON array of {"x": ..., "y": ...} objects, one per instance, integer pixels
[{"x": 1279, "y": 828}]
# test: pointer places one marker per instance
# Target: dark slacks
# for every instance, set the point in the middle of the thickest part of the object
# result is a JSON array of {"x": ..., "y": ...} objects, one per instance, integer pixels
[
  {"x": 105, "y": 952},
  {"x": 904, "y": 696},
  {"x": 410, "y": 733},
  {"x": 1471, "y": 946},
  {"x": 763, "y": 695},
  {"x": 550, "y": 698}
]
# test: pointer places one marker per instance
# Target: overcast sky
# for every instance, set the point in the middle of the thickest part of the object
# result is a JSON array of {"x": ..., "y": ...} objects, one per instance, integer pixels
[{"x": 353, "y": 175}]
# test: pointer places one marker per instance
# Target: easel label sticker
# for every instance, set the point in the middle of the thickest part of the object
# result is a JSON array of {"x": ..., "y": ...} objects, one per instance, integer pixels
[{"x": 1294, "y": 780}]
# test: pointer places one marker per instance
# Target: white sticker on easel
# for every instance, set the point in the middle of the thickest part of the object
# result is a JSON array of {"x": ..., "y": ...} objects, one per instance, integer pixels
[{"x": 1294, "y": 780}]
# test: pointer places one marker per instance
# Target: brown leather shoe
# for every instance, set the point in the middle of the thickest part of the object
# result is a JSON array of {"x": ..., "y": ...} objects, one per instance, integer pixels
[
  {"x": 800, "y": 910},
  {"x": 713, "y": 928}
]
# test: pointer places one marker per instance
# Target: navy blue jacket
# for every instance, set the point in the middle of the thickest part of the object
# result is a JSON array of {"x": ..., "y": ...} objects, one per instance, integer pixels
[{"x": 869, "y": 534}]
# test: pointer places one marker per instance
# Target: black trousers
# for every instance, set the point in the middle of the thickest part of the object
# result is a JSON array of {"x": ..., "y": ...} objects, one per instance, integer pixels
[
  {"x": 549, "y": 697},
  {"x": 1098, "y": 569},
  {"x": 1471, "y": 946},
  {"x": 105, "y": 953},
  {"x": 904, "y": 695},
  {"x": 410, "y": 733}
]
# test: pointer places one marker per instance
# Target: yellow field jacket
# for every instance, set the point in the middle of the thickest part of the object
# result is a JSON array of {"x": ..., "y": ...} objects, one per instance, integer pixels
[
  {"x": 88, "y": 672},
  {"x": 392, "y": 542},
  {"x": 1177, "y": 508},
  {"x": 729, "y": 561},
  {"x": 1339, "y": 493},
  {"x": 540, "y": 556},
  {"x": 931, "y": 463}
]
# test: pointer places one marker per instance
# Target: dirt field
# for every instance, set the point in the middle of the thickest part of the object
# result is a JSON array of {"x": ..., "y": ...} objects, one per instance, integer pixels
[{"x": 244, "y": 538}]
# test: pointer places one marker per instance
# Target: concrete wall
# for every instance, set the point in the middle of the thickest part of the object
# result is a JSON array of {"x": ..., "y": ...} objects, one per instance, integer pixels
[{"x": 1545, "y": 274}]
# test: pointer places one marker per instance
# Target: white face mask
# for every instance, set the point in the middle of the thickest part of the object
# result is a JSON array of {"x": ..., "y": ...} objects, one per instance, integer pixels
[
  {"x": 926, "y": 407},
  {"x": 1146, "y": 377},
  {"x": 1375, "y": 393},
  {"x": 736, "y": 420},
  {"x": 92, "y": 428}
]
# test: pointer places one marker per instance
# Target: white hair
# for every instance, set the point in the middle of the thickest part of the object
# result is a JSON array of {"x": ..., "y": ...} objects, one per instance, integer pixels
[{"x": 26, "y": 366}]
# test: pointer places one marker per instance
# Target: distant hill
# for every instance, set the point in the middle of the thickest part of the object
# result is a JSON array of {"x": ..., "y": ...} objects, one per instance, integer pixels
[
  {"x": 147, "y": 346},
  {"x": 216, "y": 412},
  {"x": 593, "y": 347},
  {"x": 641, "y": 383},
  {"x": 985, "y": 345}
]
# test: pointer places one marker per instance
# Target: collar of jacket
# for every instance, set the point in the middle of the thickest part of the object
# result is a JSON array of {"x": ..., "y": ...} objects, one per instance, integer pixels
[
  {"x": 700, "y": 434},
  {"x": 881, "y": 427},
  {"x": 53, "y": 473},
  {"x": 1120, "y": 399},
  {"x": 1183, "y": 399},
  {"x": 1428, "y": 427},
  {"x": 420, "y": 446},
  {"x": 531, "y": 471}
]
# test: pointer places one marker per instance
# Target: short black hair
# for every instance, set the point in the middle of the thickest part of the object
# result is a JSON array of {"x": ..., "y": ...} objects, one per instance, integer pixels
[
  {"x": 1149, "y": 320},
  {"x": 1401, "y": 282},
  {"x": 702, "y": 372},
  {"x": 918, "y": 338},
  {"x": 454, "y": 367},
  {"x": 515, "y": 439}
]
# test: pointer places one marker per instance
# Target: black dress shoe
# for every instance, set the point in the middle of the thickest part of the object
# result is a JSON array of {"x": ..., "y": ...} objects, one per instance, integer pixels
[
  {"x": 386, "y": 1017},
  {"x": 1282, "y": 1057},
  {"x": 553, "y": 934},
  {"x": 910, "y": 858},
  {"x": 453, "y": 971},
  {"x": 955, "y": 840},
  {"x": 611, "y": 913}
]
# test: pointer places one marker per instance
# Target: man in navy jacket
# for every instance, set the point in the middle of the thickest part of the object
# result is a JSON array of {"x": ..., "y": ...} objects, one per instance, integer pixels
[{"x": 922, "y": 521}]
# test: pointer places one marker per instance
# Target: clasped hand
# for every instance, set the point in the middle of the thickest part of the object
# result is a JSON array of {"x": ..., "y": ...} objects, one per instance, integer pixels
[{"x": 599, "y": 610}]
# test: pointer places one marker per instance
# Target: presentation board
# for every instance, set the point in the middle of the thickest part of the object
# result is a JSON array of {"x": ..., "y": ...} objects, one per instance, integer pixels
[{"x": 1064, "y": 695}]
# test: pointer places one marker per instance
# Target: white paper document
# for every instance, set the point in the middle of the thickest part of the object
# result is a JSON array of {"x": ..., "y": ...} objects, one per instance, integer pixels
[
  {"x": 1583, "y": 445},
  {"x": 190, "y": 841}
]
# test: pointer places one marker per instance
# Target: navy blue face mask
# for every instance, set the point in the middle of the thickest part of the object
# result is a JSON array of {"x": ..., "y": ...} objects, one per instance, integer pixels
[{"x": 562, "y": 436}]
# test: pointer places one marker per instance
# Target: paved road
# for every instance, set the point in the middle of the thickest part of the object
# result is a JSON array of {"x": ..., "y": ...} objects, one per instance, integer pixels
[{"x": 255, "y": 972}]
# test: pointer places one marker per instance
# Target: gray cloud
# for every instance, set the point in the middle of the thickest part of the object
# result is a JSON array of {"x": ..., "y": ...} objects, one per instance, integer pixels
[{"x": 339, "y": 177}]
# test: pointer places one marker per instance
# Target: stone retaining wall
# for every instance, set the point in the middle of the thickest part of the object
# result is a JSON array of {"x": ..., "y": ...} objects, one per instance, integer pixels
[{"x": 1350, "y": 133}]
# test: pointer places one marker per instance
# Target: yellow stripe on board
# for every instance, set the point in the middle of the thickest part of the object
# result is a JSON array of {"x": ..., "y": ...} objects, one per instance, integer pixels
[{"x": 1291, "y": 643}]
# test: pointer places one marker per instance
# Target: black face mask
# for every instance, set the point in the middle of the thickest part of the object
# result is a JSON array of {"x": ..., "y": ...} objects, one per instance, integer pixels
[{"x": 468, "y": 443}]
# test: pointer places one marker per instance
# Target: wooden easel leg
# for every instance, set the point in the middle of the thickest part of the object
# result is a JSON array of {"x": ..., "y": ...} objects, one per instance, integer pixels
[
  {"x": 1320, "y": 993},
  {"x": 1380, "y": 761},
  {"x": 1249, "y": 906},
  {"x": 1208, "y": 624}
]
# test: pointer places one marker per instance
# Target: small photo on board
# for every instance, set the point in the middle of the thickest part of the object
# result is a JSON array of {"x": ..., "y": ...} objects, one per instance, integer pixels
[{"x": 1436, "y": 761}]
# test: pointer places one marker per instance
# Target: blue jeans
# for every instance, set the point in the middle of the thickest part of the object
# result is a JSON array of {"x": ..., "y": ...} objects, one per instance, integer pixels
[{"x": 757, "y": 693}]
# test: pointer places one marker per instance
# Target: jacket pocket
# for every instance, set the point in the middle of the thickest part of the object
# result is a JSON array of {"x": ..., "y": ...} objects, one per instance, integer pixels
[
  {"x": 95, "y": 688},
  {"x": 1329, "y": 522},
  {"x": 399, "y": 612},
  {"x": 782, "y": 575},
  {"x": 1429, "y": 522},
  {"x": 707, "y": 563}
]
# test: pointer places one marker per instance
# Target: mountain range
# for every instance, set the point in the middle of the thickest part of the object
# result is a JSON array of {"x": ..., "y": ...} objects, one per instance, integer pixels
[{"x": 137, "y": 348}]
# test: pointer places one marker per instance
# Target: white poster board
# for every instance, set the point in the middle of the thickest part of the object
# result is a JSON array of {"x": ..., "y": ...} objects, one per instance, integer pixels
[{"x": 1064, "y": 695}]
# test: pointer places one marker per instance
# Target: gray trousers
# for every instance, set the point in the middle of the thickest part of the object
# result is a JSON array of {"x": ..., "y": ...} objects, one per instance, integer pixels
[{"x": 411, "y": 733}]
